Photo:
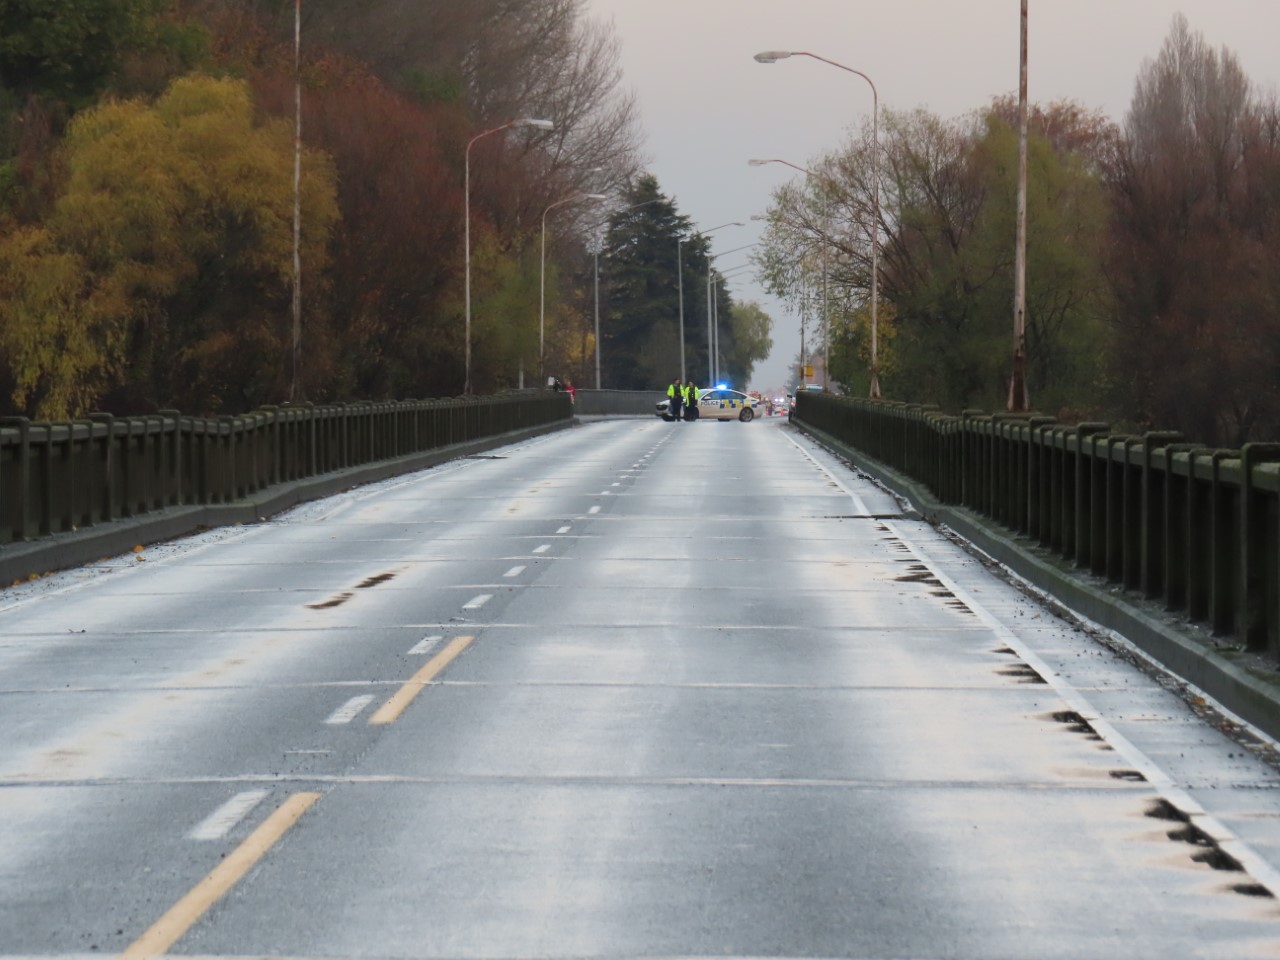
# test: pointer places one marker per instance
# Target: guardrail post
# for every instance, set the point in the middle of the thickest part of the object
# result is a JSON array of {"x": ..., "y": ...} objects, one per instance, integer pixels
[
  {"x": 1051, "y": 487},
  {"x": 1131, "y": 518},
  {"x": 171, "y": 443},
  {"x": 1177, "y": 524},
  {"x": 344, "y": 422},
  {"x": 20, "y": 488},
  {"x": 1003, "y": 469},
  {"x": 42, "y": 485},
  {"x": 1117, "y": 466},
  {"x": 128, "y": 467},
  {"x": 1016, "y": 494},
  {"x": 1098, "y": 474},
  {"x": 84, "y": 466},
  {"x": 64, "y": 478},
  {"x": 106, "y": 465},
  {"x": 1035, "y": 492},
  {"x": 1256, "y": 603},
  {"x": 1064, "y": 470},
  {"x": 1224, "y": 559},
  {"x": 1086, "y": 507},
  {"x": 1154, "y": 491},
  {"x": 970, "y": 456},
  {"x": 1199, "y": 533},
  {"x": 273, "y": 432}
]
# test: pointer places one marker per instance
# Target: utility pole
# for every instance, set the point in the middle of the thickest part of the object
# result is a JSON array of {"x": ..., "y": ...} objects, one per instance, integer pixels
[
  {"x": 297, "y": 199},
  {"x": 1019, "y": 398}
]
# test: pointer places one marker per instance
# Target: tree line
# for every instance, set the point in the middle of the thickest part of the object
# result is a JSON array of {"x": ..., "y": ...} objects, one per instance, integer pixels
[
  {"x": 147, "y": 198},
  {"x": 1153, "y": 253}
]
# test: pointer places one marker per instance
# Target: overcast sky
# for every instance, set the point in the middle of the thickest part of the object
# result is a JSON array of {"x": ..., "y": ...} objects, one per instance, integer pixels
[{"x": 708, "y": 107}]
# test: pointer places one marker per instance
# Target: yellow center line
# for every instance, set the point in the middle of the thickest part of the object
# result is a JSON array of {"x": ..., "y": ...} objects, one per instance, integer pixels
[
  {"x": 183, "y": 914},
  {"x": 390, "y": 711}
]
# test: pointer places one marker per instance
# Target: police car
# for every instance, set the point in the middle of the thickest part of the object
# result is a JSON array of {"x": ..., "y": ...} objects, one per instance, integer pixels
[{"x": 718, "y": 403}]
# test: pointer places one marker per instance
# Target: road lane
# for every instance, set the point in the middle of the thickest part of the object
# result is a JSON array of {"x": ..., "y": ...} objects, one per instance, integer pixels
[{"x": 723, "y": 699}]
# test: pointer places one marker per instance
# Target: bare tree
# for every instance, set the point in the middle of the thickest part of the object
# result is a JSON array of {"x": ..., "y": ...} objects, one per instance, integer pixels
[
  {"x": 1195, "y": 188},
  {"x": 504, "y": 59}
]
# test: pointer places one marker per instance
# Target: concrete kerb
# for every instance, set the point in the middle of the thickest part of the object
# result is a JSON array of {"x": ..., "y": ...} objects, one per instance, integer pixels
[
  {"x": 21, "y": 561},
  {"x": 1251, "y": 691}
]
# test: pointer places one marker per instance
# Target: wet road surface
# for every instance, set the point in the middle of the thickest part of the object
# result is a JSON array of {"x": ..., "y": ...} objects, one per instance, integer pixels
[{"x": 633, "y": 689}]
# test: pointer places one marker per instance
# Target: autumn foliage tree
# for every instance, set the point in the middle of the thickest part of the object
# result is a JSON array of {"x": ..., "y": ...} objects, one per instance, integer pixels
[
  {"x": 145, "y": 248},
  {"x": 389, "y": 322},
  {"x": 164, "y": 270}
]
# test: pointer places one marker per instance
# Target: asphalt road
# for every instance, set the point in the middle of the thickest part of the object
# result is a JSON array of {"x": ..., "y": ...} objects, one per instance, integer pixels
[{"x": 631, "y": 689}]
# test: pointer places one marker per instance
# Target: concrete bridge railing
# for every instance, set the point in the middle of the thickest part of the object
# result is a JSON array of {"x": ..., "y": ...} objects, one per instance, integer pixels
[
  {"x": 61, "y": 478},
  {"x": 618, "y": 402},
  {"x": 1197, "y": 530}
]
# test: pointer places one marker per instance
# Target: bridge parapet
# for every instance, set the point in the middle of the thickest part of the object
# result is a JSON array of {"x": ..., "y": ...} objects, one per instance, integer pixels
[
  {"x": 66, "y": 476},
  {"x": 1195, "y": 529}
]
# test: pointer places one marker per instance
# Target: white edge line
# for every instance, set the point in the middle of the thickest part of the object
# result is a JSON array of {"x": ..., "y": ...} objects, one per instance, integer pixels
[
  {"x": 1161, "y": 783},
  {"x": 1255, "y": 865}
]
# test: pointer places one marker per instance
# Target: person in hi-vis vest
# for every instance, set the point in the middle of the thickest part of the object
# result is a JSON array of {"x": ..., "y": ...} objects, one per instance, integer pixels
[
  {"x": 675, "y": 394},
  {"x": 690, "y": 400}
]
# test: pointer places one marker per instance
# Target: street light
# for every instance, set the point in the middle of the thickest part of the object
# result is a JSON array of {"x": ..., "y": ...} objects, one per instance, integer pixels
[
  {"x": 466, "y": 204},
  {"x": 680, "y": 280},
  {"x": 713, "y": 314},
  {"x": 773, "y": 56},
  {"x": 826, "y": 306},
  {"x": 542, "y": 309},
  {"x": 730, "y": 277}
]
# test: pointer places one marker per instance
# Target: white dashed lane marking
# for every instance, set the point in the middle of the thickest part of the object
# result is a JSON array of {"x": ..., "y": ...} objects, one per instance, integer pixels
[
  {"x": 475, "y": 603},
  {"x": 515, "y": 571},
  {"x": 349, "y": 710},
  {"x": 425, "y": 644},
  {"x": 542, "y": 549},
  {"x": 219, "y": 823}
]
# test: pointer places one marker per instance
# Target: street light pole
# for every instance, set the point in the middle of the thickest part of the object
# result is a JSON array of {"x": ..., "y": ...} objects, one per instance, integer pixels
[
  {"x": 297, "y": 199},
  {"x": 712, "y": 330},
  {"x": 715, "y": 349},
  {"x": 772, "y": 56},
  {"x": 466, "y": 206},
  {"x": 597, "y": 271},
  {"x": 680, "y": 280},
  {"x": 542, "y": 308},
  {"x": 713, "y": 310}
]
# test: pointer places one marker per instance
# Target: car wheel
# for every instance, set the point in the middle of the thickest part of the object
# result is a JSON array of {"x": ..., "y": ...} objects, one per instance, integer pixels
[{"x": 747, "y": 415}]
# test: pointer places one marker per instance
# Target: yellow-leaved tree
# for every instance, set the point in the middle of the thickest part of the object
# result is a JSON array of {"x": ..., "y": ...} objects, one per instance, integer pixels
[{"x": 164, "y": 275}]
